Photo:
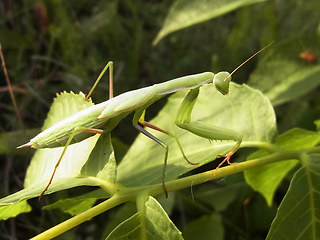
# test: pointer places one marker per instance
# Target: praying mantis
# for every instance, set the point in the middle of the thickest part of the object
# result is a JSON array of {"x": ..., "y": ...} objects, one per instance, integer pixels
[{"x": 105, "y": 116}]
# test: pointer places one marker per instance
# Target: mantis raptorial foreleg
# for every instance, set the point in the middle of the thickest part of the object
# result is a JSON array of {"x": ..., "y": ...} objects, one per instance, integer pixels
[
  {"x": 204, "y": 130},
  {"x": 161, "y": 143}
]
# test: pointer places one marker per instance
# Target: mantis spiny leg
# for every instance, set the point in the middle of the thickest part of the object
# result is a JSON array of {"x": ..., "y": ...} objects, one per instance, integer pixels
[
  {"x": 139, "y": 118},
  {"x": 147, "y": 124},
  {"x": 204, "y": 130}
]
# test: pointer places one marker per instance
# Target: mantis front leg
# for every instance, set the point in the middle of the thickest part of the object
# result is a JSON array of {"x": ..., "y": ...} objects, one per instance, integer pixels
[
  {"x": 139, "y": 119},
  {"x": 204, "y": 130}
]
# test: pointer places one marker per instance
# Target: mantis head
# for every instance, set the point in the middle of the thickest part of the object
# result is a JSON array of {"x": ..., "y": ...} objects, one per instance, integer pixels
[{"x": 222, "y": 80}]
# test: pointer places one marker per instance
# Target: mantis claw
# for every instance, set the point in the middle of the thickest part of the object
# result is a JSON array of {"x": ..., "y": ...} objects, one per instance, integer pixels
[
  {"x": 165, "y": 189},
  {"x": 226, "y": 159},
  {"x": 193, "y": 163}
]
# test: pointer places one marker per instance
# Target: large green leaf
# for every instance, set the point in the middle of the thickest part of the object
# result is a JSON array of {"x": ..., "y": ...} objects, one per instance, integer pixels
[
  {"x": 34, "y": 191},
  {"x": 101, "y": 162},
  {"x": 282, "y": 75},
  {"x": 64, "y": 105},
  {"x": 150, "y": 223},
  {"x": 245, "y": 110},
  {"x": 267, "y": 178},
  {"x": 298, "y": 215},
  {"x": 123, "y": 212},
  {"x": 44, "y": 160},
  {"x": 185, "y": 13}
]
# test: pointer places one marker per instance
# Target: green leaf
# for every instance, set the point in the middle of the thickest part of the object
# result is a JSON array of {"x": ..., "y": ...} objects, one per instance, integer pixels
[
  {"x": 244, "y": 110},
  {"x": 14, "y": 210},
  {"x": 123, "y": 212},
  {"x": 266, "y": 179},
  {"x": 167, "y": 203},
  {"x": 35, "y": 190},
  {"x": 44, "y": 160},
  {"x": 298, "y": 214},
  {"x": 152, "y": 223},
  {"x": 102, "y": 162},
  {"x": 205, "y": 228},
  {"x": 185, "y": 13},
  {"x": 282, "y": 76},
  {"x": 64, "y": 105}
]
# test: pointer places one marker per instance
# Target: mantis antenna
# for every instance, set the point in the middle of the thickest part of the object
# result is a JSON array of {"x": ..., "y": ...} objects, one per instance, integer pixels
[{"x": 248, "y": 60}]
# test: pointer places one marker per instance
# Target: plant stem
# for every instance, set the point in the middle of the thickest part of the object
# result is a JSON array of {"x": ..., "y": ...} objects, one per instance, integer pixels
[
  {"x": 228, "y": 170},
  {"x": 177, "y": 184},
  {"x": 80, "y": 218}
]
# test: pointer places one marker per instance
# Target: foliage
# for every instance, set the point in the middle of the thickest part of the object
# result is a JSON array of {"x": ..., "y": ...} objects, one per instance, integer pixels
[{"x": 52, "y": 46}]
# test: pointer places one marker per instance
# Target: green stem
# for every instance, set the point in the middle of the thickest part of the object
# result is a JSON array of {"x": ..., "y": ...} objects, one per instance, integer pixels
[
  {"x": 109, "y": 187},
  {"x": 80, "y": 218},
  {"x": 226, "y": 171},
  {"x": 177, "y": 184}
]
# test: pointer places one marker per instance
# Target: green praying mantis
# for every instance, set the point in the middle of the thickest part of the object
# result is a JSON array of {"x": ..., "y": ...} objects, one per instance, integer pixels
[{"x": 105, "y": 116}]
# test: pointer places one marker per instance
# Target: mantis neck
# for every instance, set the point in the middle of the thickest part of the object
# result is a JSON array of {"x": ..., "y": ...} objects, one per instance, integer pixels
[{"x": 189, "y": 82}]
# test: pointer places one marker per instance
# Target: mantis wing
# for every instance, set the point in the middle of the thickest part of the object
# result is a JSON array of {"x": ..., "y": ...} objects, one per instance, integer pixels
[{"x": 128, "y": 101}]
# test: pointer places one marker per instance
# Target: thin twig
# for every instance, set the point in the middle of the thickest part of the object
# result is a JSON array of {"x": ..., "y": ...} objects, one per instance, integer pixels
[{"x": 3, "y": 64}]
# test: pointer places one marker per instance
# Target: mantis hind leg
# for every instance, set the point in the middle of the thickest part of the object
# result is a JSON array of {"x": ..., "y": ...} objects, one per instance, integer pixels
[
  {"x": 110, "y": 66},
  {"x": 204, "y": 130}
]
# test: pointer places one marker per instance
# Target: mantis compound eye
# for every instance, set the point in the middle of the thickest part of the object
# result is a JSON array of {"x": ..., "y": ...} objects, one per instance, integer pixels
[{"x": 222, "y": 80}]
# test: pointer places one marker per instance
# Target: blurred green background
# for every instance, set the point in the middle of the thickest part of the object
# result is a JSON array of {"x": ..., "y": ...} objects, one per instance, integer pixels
[{"x": 53, "y": 46}]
